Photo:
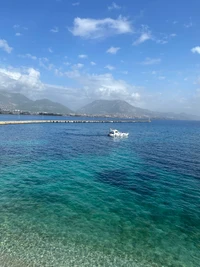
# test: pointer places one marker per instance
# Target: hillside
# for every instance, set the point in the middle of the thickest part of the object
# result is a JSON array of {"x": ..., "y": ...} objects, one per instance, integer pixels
[
  {"x": 16, "y": 101},
  {"x": 114, "y": 107},
  {"x": 122, "y": 109}
]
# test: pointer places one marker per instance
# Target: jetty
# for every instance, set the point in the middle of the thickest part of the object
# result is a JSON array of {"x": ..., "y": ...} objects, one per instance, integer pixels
[{"x": 70, "y": 121}]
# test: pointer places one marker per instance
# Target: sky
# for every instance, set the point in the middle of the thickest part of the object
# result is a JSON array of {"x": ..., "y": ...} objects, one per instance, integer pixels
[{"x": 146, "y": 52}]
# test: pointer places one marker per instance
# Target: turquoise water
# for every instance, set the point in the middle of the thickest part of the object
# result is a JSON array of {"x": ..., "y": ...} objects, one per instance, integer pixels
[{"x": 71, "y": 196}]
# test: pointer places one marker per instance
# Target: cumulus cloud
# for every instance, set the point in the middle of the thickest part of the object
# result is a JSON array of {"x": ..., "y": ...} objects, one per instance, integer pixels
[
  {"x": 103, "y": 86},
  {"x": 173, "y": 35},
  {"x": 67, "y": 63},
  {"x": 113, "y": 50},
  {"x": 4, "y": 45},
  {"x": 93, "y": 86},
  {"x": 54, "y": 29},
  {"x": 20, "y": 80},
  {"x": 27, "y": 81},
  {"x": 18, "y": 34},
  {"x": 72, "y": 74},
  {"x": 78, "y": 66},
  {"x": 196, "y": 49},
  {"x": 114, "y": 6},
  {"x": 100, "y": 28},
  {"x": 151, "y": 61},
  {"x": 92, "y": 63},
  {"x": 44, "y": 63},
  {"x": 109, "y": 67},
  {"x": 28, "y": 56},
  {"x": 83, "y": 56},
  {"x": 164, "y": 38},
  {"x": 145, "y": 36}
]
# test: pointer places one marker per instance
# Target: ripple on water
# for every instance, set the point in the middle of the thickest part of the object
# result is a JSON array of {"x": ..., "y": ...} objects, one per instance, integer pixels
[{"x": 84, "y": 199}]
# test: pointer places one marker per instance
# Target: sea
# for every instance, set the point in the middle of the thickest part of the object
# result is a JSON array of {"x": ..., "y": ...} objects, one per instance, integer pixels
[{"x": 72, "y": 196}]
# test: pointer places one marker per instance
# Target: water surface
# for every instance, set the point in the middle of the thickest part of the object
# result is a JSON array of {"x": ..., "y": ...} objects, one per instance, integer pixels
[{"x": 72, "y": 196}]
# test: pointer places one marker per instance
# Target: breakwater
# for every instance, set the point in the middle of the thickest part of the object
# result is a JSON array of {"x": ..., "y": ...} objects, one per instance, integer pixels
[{"x": 70, "y": 121}]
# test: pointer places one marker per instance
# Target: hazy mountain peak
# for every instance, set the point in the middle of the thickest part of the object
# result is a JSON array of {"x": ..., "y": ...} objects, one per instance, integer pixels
[
  {"x": 17, "y": 101},
  {"x": 122, "y": 108}
]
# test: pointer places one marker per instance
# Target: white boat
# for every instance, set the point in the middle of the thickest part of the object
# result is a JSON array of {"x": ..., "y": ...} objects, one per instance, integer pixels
[{"x": 116, "y": 133}]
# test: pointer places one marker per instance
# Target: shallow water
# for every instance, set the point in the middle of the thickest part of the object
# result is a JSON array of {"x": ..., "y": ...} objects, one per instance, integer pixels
[{"x": 71, "y": 196}]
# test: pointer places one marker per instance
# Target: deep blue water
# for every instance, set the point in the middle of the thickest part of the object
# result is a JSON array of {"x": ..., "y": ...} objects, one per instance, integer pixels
[{"x": 72, "y": 196}]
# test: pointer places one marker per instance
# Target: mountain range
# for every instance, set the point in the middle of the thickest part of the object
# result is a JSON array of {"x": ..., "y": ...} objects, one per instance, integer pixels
[
  {"x": 124, "y": 109},
  {"x": 118, "y": 108},
  {"x": 16, "y": 101},
  {"x": 113, "y": 107}
]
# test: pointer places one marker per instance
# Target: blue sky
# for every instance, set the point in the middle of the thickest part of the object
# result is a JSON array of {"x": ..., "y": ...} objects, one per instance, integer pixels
[{"x": 146, "y": 52}]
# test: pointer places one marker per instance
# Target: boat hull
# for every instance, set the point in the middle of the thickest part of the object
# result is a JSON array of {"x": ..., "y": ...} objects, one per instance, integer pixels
[{"x": 119, "y": 135}]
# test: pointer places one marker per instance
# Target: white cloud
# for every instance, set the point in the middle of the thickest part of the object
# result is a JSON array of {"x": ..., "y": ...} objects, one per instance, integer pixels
[
  {"x": 164, "y": 38},
  {"x": 83, "y": 56},
  {"x": 44, "y": 63},
  {"x": 4, "y": 45},
  {"x": 67, "y": 63},
  {"x": 20, "y": 80},
  {"x": 78, "y": 66},
  {"x": 28, "y": 82},
  {"x": 92, "y": 63},
  {"x": 104, "y": 86},
  {"x": 151, "y": 61},
  {"x": 113, "y": 50},
  {"x": 188, "y": 25},
  {"x": 28, "y": 56},
  {"x": 145, "y": 36},
  {"x": 50, "y": 50},
  {"x": 196, "y": 49},
  {"x": 18, "y": 34},
  {"x": 58, "y": 72},
  {"x": 173, "y": 34},
  {"x": 99, "y": 28},
  {"x": 54, "y": 29},
  {"x": 18, "y": 27},
  {"x": 72, "y": 74},
  {"x": 76, "y": 4},
  {"x": 114, "y": 6},
  {"x": 109, "y": 67}
]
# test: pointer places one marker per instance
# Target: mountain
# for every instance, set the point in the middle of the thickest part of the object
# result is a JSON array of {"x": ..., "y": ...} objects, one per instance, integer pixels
[
  {"x": 15, "y": 101},
  {"x": 123, "y": 109},
  {"x": 114, "y": 107}
]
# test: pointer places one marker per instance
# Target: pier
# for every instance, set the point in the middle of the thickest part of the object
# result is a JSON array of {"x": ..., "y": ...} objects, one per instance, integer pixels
[{"x": 70, "y": 121}]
